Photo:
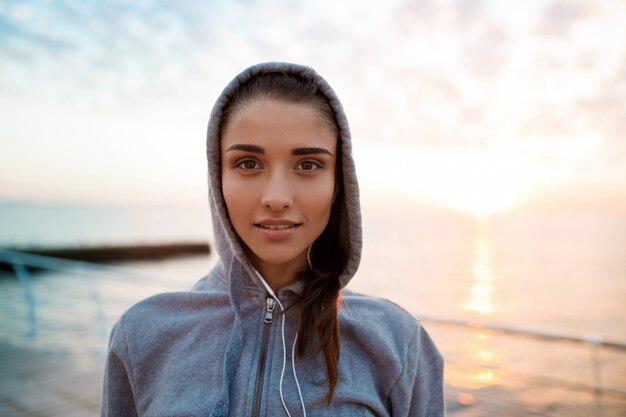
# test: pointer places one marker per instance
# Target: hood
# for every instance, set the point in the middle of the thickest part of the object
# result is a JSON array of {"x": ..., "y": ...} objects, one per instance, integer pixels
[{"x": 229, "y": 248}]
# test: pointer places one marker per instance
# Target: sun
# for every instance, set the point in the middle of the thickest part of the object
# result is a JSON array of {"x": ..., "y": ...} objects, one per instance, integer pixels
[{"x": 475, "y": 181}]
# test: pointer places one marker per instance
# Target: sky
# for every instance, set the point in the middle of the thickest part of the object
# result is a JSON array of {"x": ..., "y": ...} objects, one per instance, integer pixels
[{"x": 478, "y": 106}]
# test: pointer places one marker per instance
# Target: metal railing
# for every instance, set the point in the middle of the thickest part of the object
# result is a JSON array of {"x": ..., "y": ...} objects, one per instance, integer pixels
[
  {"x": 23, "y": 264},
  {"x": 595, "y": 344}
]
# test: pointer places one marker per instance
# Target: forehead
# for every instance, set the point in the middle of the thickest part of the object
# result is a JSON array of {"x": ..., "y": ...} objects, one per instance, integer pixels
[{"x": 275, "y": 124}]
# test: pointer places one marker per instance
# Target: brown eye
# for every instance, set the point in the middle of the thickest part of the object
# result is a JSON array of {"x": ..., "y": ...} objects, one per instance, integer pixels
[
  {"x": 248, "y": 165},
  {"x": 307, "y": 166}
]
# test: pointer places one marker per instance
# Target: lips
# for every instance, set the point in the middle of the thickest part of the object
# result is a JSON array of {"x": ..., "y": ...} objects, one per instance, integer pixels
[
  {"x": 276, "y": 223},
  {"x": 277, "y": 229},
  {"x": 277, "y": 226}
]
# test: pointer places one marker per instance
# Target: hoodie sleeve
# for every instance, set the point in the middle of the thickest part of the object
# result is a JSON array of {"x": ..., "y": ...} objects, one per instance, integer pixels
[
  {"x": 118, "y": 390},
  {"x": 418, "y": 392}
]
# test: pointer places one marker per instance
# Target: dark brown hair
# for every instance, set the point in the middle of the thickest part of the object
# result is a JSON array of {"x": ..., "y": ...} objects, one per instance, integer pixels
[{"x": 320, "y": 298}]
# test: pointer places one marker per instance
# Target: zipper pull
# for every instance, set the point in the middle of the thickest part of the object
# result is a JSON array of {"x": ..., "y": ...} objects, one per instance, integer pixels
[{"x": 269, "y": 311}]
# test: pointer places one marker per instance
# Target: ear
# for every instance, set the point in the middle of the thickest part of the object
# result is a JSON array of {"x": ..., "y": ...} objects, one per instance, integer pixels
[{"x": 335, "y": 192}]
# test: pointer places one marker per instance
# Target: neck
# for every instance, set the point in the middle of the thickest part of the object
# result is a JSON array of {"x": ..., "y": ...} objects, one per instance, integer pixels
[{"x": 278, "y": 276}]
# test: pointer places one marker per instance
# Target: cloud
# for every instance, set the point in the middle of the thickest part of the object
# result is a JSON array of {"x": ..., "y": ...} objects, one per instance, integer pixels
[
  {"x": 467, "y": 72},
  {"x": 560, "y": 15},
  {"x": 468, "y": 12},
  {"x": 410, "y": 14},
  {"x": 606, "y": 112},
  {"x": 487, "y": 54},
  {"x": 96, "y": 46}
]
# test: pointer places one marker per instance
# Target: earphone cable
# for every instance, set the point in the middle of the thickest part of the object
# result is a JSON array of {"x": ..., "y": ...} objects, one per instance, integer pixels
[
  {"x": 293, "y": 367},
  {"x": 282, "y": 372}
]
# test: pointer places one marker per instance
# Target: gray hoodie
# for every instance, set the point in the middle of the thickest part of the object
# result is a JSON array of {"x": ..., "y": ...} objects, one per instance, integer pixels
[{"x": 218, "y": 349}]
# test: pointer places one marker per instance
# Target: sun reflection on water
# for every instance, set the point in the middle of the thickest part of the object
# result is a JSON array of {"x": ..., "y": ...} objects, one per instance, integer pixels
[
  {"x": 481, "y": 291},
  {"x": 477, "y": 364}
]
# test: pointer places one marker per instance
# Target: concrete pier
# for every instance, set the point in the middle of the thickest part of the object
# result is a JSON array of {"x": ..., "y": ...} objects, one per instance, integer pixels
[{"x": 36, "y": 383}]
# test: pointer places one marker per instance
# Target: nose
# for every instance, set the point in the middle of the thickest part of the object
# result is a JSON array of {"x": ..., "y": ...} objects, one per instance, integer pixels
[{"x": 277, "y": 193}]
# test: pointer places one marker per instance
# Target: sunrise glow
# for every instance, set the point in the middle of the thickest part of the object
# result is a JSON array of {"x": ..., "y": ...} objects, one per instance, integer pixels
[{"x": 478, "y": 108}]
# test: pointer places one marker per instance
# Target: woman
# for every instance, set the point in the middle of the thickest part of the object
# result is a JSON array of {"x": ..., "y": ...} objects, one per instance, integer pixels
[{"x": 270, "y": 331}]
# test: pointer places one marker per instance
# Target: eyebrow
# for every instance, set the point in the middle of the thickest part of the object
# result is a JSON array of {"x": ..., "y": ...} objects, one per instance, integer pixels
[
  {"x": 246, "y": 148},
  {"x": 310, "y": 151},
  {"x": 261, "y": 151}
]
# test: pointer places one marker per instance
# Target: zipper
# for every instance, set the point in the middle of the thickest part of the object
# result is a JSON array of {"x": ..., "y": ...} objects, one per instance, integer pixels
[{"x": 269, "y": 317}]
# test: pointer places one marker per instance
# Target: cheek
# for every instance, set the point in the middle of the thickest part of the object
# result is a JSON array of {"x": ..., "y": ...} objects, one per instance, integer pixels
[
  {"x": 319, "y": 199},
  {"x": 239, "y": 198}
]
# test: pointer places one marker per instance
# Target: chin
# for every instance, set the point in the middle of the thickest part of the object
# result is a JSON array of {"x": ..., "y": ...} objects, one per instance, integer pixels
[{"x": 276, "y": 259}]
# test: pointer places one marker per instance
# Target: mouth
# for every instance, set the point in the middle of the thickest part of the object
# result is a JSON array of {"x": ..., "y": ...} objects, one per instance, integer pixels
[
  {"x": 277, "y": 230},
  {"x": 277, "y": 226}
]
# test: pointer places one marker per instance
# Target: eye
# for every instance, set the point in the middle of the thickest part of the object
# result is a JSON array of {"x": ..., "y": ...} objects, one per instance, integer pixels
[
  {"x": 248, "y": 165},
  {"x": 308, "y": 166}
]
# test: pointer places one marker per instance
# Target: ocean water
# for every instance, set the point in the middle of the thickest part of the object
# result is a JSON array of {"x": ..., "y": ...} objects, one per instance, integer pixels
[
  {"x": 553, "y": 273},
  {"x": 31, "y": 224}
]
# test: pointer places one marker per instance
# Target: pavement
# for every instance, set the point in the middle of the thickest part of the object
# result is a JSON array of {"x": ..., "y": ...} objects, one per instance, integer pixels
[{"x": 35, "y": 383}]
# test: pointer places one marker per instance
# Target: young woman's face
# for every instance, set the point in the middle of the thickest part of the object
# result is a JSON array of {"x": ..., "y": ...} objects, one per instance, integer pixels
[{"x": 278, "y": 179}]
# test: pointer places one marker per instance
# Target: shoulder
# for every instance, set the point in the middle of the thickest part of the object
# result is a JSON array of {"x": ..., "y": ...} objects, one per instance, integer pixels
[
  {"x": 173, "y": 316},
  {"x": 172, "y": 308},
  {"x": 378, "y": 314},
  {"x": 165, "y": 306},
  {"x": 376, "y": 327},
  {"x": 384, "y": 323},
  {"x": 381, "y": 342}
]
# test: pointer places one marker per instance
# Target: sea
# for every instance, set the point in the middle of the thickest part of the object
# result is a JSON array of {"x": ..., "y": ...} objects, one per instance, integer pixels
[{"x": 508, "y": 299}]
